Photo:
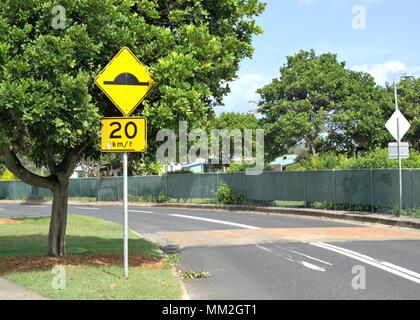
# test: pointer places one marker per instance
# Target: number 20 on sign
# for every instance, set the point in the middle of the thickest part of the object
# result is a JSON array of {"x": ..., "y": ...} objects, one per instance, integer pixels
[{"x": 124, "y": 134}]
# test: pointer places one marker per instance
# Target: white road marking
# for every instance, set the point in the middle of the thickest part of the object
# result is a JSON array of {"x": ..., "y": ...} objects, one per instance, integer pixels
[
  {"x": 383, "y": 265},
  {"x": 244, "y": 226},
  {"x": 82, "y": 208},
  {"x": 29, "y": 206},
  {"x": 309, "y": 257},
  {"x": 311, "y": 266},
  {"x": 302, "y": 263},
  {"x": 139, "y": 211}
]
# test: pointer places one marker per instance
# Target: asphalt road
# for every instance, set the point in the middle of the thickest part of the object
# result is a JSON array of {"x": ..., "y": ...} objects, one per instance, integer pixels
[{"x": 255, "y": 256}]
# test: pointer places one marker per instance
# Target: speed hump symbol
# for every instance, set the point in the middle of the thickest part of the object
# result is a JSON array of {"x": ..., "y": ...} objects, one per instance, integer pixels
[{"x": 124, "y": 134}]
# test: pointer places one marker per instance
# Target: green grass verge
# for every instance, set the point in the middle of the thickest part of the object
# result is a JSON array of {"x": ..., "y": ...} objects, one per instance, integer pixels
[
  {"x": 87, "y": 235},
  {"x": 103, "y": 283},
  {"x": 84, "y": 235}
]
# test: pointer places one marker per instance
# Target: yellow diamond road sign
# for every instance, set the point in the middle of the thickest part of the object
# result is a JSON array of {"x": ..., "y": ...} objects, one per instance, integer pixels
[{"x": 126, "y": 81}]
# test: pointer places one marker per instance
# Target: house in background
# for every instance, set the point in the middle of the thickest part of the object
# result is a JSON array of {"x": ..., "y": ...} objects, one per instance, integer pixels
[
  {"x": 78, "y": 173},
  {"x": 198, "y": 166},
  {"x": 281, "y": 163}
]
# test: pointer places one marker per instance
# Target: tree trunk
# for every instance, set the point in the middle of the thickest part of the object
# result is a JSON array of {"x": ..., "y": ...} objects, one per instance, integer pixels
[
  {"x": 58, "y": 223},
  {"x": 57, "y": 182}
]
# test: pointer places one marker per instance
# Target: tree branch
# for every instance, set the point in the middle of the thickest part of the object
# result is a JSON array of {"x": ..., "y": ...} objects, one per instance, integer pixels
[
  {"x": 70, "y": 161},
  {"x": 18, "y": 169}
]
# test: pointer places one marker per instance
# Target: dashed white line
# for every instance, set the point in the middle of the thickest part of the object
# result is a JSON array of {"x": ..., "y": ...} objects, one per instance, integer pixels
[
  {"x": 244, "y": 226},
  {"x": 82, "y": 208},
  {"x": 140, "y": 211},
  {"x": 383, "y": 265},
  {"x": 30, "y": 206},
  {"x": 309, "y": 257}
]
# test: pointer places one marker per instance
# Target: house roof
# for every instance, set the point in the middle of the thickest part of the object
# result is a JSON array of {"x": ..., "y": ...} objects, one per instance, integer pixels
[
  {"x": 197, "y": 163},
  {"x": 286, "y": 160}
]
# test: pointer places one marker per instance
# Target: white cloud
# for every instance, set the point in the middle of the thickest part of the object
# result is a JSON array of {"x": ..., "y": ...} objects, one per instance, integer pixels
[
  {"x": 243, "y": 93},
  {"x": 388, "y": 71}
]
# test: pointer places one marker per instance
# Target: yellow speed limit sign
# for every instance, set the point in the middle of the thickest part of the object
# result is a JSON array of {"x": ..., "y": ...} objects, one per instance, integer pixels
[{"x": 124, "y": 134}]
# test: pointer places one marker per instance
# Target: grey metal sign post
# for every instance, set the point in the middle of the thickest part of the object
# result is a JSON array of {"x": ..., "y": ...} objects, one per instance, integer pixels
[
  {"x": 125, "y": 173},
  {"x": 398, "y": 126}
]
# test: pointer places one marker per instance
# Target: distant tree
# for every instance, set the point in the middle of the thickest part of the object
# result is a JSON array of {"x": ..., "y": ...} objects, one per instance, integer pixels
[
  {"x": 231, "y": 121},
  {"x": 49, "y": 107},
  {"x": 409, "y": 104},
  {"x": 319, "y": 102},
  {"x": 234, "y": 120}
]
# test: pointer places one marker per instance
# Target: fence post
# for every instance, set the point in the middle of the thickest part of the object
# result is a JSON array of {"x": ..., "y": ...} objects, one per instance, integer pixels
[
  {"x": 217, "y": 184},
  {"x": 274, "y": 188},
  {"x": 14, "y": 190},
  {"x": 98, "y": 185},
  {"x": 372, "y": 190},
  {"x": 246, "y": 187},
  {"x": 304, "y": 189},
  {"x": 334, "y": 190},
  {"x": 167, "y": 185},
  {"x": 411, "y": 189}
]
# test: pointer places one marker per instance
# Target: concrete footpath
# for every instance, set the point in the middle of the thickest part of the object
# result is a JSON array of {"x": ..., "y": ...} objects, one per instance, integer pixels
[{"x": 11, "y": 291}]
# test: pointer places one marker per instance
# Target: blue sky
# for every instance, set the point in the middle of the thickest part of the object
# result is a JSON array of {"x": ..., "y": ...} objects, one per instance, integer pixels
[{"x": 387, "y": 45}]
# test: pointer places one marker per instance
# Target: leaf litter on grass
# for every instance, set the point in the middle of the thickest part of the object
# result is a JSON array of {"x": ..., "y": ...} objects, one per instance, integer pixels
[{"x": 28, "y": 264}]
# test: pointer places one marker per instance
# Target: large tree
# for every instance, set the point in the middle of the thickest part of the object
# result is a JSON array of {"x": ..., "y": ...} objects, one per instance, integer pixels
[
  {"x": 317, "y": 101},
  {"x": 49, "y": 106}
]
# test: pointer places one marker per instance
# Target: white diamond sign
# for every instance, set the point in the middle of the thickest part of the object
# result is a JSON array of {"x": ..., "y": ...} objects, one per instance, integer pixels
[{"x": 398, "y": 121}]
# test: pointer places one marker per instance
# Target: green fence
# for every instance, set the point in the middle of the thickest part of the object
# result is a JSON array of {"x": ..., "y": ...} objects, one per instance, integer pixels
[{"x": 373, "y": 188}]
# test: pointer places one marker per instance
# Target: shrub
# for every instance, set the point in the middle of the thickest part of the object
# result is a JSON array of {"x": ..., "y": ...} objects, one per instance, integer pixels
[
  {"x": 378, "y": 159},
  {"x": 375, "y": 159},
  {"x": 183, "y": 171},
  {"x": 226, "y": 195}
]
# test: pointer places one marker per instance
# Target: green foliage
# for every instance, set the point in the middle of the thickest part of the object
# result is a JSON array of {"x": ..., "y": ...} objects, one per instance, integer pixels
[
  {"x": 409, "y": 104},
  {"x": 161, "y": 198},
  {"x": 48, "y": 102},
  {"x": 2, "y": 168},
  {"x": 231, "y": 122},
  {"x": 324, "y": 162},
  {"x": 318, "y": 101},
  {"x": 326, "y": 205},
  {"x": 240, "y": 167},
  {"x": 412, "y": 213},
  {"x": 182, "y": 171},
  {"x": 234, "y": 120},
  {"x": 147, "y": 168},
  {"x": 376, "y": 159},
  {"x": 226, "y": 195}
]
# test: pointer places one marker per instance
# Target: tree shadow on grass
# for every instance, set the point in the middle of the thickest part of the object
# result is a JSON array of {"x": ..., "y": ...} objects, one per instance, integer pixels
[{"x": 28, "y": 253}]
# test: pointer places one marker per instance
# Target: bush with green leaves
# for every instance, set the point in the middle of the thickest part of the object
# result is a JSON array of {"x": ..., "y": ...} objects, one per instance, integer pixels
[
  {"x": 182, "y": 171},
  {"x": 378, "y": 159},
  {"x": 375, "y": 159},
  {"x": 226, "y": 195}
]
